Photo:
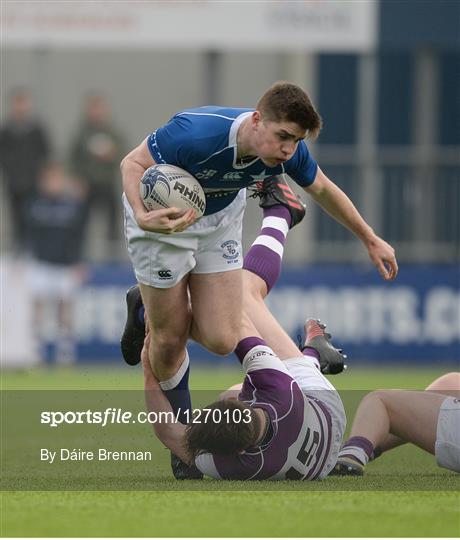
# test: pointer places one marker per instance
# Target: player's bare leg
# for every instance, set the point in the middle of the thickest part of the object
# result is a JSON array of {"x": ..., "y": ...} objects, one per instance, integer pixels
[
  {"x": 410, "y": 416},
  {"x": 169, "y": 318},
  {"x": 215, "y": 322},
  {"x": 448, "y": 384},
  {"x": 254, "y": 292},
  {"x": 217, "y": 306}
]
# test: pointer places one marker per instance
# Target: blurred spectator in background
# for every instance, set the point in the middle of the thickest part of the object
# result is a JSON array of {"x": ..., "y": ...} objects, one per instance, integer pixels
[
  {"x": 24, "y": 147},
  {"x": 55, "y": 225},
  {"x": 96, "y": 152}
]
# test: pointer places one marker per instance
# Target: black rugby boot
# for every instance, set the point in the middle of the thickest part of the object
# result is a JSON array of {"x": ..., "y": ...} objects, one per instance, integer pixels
[
  {"x": 182, "y": 471},
  {"x": 275, "y": 190},
  {"x": 331, "y": 360},
  {"x": 132, "y": 340}
]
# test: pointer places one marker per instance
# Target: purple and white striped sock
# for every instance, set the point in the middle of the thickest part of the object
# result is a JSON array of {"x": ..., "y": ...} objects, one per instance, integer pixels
[
  {"x": 266, "y": 253},
  {"x": 246, "y": 344},
  {"x": 357, "y": 448}
]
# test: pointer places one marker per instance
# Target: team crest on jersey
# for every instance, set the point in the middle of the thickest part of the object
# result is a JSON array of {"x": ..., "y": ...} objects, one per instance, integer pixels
[{"x": 230, "y": 250}]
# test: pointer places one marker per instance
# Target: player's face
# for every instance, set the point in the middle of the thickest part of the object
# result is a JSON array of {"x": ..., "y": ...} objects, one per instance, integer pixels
[{"x": 276, "y": 142}]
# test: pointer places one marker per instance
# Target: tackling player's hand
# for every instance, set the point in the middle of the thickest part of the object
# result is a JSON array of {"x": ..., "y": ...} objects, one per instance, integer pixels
[
  {"x": 383, "y": 256},
  {"x": 166, "y": 220}
]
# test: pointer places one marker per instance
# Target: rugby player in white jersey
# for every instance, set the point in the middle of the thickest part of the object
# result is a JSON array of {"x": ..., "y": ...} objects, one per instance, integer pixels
[
  {"x": 179, "y": 263},
  {"x": 386, "y": 419}
]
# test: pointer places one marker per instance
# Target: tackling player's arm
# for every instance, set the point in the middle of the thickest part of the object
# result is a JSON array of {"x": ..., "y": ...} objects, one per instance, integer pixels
[
  {"x": 334, "y": 201},
  {"x": 165, "y": 220},
  {"x": 232, "y": 393},
  {"x": 171, "y": 434}
]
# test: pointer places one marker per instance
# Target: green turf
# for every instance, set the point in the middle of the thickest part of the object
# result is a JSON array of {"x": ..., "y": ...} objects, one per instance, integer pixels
[
  {"x": 269, "y": 514},
  {"x": 212, "y": 377},
  {"x": 403, "y": 493}
]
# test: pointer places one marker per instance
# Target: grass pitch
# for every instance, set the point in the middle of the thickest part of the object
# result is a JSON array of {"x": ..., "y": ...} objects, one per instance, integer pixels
[{"x": 403, "y": 493}]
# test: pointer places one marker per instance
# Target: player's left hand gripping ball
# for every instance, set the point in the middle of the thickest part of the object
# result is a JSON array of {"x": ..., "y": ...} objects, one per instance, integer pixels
[{"x": 168, "y": 186}]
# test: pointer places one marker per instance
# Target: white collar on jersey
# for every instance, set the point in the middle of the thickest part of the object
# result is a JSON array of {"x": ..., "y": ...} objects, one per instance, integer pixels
[
  {"x": 232, "y": 141},
  {"x": 235, "y": 126}
]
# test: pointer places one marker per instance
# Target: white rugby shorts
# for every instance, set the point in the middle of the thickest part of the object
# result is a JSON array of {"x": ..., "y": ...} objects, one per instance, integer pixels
[
  {"x": 447, "y": 448},
  {"x": 212, "y": 244},
  {"x": 313, "y": 383}
]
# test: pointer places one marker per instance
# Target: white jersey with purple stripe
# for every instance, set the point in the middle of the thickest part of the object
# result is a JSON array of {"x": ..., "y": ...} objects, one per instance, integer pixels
[
  {"x": 203, "y": 142},
  {"x": 298, "y": 443}
]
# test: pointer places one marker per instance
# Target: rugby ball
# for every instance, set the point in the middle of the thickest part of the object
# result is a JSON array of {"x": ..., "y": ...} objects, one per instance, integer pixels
[{"x": 167, "y": 186}]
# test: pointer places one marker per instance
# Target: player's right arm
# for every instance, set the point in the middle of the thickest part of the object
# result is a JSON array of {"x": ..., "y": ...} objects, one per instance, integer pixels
[
  {"x": 165, "y": 220},
  {"x": 305, "y": 171}
]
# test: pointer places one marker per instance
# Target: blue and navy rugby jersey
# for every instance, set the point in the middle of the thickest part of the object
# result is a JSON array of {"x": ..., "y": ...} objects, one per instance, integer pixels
[{"x": 203, "y": 142}]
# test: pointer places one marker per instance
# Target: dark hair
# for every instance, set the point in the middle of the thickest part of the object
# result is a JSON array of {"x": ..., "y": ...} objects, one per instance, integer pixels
[
  {"x": 225, "y": 432},
  {"x": 287, "y": 102}
]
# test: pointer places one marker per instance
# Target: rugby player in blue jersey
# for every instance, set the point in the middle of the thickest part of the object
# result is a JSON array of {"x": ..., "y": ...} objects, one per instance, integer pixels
[{"x": 190, "y": 273}]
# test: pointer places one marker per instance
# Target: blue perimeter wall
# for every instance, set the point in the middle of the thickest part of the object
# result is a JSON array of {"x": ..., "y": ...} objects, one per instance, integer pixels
[{"x": 414, "y": 319}]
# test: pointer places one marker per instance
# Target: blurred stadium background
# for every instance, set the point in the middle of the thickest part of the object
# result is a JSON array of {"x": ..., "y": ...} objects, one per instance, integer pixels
[{"x": 385, "y": 77}]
